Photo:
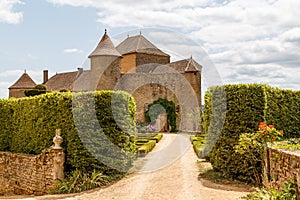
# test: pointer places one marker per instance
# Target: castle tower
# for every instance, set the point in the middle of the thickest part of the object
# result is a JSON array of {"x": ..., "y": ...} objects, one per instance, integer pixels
[
  {"x": 23, "y": 83},
  {"x": 138, "y": 51},
  {"x": 105, "y": 65}
]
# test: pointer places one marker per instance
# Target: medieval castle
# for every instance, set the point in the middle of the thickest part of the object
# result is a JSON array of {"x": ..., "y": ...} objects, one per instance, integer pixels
[{"x": 136, "y": 66}]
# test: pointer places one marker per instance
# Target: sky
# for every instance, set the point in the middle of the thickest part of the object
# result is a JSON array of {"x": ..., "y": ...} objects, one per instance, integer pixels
[{"x": 255, "y": 41}]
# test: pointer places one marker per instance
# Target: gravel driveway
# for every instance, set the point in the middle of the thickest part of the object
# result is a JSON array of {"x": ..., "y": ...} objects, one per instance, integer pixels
[{"x": 169, "y": 172}]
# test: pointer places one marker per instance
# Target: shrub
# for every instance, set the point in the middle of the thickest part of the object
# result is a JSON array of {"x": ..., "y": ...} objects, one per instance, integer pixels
[
  {"x": 231, "y": 110},
  {"x": 38, "y": 90},
  {"x": 78, "y": 181},
  {"x": 275, "y": 190},
  {"x": 198, "y": 144},
  {"x": 29, "y": 125},
  {"x": 158, "y": 137},
  {"x": 146, "y": 148},
  {"x": 251, "y": 146}
]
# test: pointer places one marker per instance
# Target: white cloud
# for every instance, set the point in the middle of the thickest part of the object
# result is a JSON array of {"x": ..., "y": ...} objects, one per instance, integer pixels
[
  {"x": 240, "y": 36},
  {"x": 7, "y": 15},
  {"x": 70, "y": 51}
]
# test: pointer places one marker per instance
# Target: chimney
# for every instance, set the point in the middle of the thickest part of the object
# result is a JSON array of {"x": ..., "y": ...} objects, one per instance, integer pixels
[
  {"x": 45, "y": 76},
  {"x": 80, "y": 70}
]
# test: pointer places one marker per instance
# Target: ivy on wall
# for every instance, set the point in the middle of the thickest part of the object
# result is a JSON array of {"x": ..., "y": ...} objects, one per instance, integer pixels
[{"x": 162, "y": 106}]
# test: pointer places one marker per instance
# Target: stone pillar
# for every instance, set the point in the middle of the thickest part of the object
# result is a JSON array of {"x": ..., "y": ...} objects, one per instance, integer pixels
[{"x": 58, "y": 158}]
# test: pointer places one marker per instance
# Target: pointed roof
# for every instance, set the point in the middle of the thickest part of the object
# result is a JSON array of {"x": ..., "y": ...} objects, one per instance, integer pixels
[
  {"x": 105, "y": 47},
  {"x": 139, "y": 44},
  {"x": 186, "y": 65},
  {"x": 61, "y": 81},
  {"x": 24, "y": 82}
]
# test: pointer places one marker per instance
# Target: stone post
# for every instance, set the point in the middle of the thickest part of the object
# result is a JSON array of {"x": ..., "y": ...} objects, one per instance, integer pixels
[{"x": 59, "y": 157}]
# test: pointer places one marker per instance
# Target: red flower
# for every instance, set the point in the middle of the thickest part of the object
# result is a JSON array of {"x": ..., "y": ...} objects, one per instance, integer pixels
[
  {"x": 274, "y": 138},
  {"x": 262, "y": 125},
  {"x": 271, "y": 126},
  {"x": 281, "y": 131}
]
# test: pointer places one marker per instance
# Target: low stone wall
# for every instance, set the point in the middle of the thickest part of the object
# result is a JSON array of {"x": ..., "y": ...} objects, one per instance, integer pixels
[
  {"x": 282, "y": 164},
  {"x": 24, "y": 174},
  {"x": 27, "y": 174}
]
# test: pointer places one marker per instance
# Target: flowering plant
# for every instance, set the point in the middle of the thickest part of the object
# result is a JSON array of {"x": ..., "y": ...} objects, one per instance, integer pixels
[
  {"x": 151, "y": 128},
  {"x": 259, "y": 139},
  {"x": 267, "y": 133},
  {"x": 252, "y": 145}
]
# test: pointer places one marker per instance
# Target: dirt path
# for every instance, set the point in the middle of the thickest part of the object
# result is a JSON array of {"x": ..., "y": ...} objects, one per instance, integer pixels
[{"x": 168, "y": 173}]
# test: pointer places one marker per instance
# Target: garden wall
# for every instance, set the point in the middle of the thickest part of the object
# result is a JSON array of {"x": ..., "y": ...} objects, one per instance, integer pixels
[
  {"x": 28, "y": 174},
  {"x": 282, "y": 165}
]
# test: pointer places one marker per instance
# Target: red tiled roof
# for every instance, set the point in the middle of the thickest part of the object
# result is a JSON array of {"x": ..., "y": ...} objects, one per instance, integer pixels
[
  {"x": 139, "y": 44},
  {"x": 61, "y": 81},
  {"x": 186, "y": 65},
  {"x": 24, "y": 82}
]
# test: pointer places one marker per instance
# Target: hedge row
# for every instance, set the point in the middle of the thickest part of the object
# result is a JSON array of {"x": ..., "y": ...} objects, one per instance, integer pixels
[
  {"x": 234, "y": 109},
  {"x": 98, "y": 128},
  {"x": 158, "y": 137},
  {"x": 146, "y": 148}
]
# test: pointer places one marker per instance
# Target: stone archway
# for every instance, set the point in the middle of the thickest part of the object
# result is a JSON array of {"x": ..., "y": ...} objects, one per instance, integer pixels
[{"x": 162, "y": 114}]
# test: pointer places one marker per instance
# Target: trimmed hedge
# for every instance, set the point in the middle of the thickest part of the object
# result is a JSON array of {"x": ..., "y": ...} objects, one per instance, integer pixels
[
  {"x": 146, "y": 148},
  {"x": 158, "y": 137},
  {"x": 28, "y": 126},
  {"x": 198, "y": 142},
  {"x": 234, "y": 109}
]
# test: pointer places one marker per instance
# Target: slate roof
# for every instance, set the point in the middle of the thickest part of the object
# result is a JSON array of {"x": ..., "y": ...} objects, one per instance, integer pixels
[
  {"x": 61, "y": 81},
  {"x": 186, "y": 65},
  {"x": 105, "y": 48},
  {"x": 24, "y": 82},
  {"x": 139, "y": 44}
]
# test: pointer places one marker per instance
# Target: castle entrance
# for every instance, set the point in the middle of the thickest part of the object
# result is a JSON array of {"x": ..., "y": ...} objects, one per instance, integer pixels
[{"x": 162, "y": 114}]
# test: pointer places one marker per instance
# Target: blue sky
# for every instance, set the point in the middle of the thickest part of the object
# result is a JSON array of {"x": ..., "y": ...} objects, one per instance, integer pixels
[{"x": 248, "y": 41}]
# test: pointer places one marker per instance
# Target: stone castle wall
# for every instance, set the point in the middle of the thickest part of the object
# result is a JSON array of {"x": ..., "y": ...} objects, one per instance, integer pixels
[
  {"x": 16, "y": 93},
  {"x": 24, "y": 174},
  {"x": 142, "y": 59},
  {"x": 282, "y": 165},
  {"x": 148, "y": 87}
]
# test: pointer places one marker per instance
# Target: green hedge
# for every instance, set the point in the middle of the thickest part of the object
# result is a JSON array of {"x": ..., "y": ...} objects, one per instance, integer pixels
[
  {"x": 28, "y": 126},
  {"x": 234, "y": 109},
  {"x": 146, "y": 148},
  {"x": 283, "y": 110},
  {"x": 158, "y": 137}
]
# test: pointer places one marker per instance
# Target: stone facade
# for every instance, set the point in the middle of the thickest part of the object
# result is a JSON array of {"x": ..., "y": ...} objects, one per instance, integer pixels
[
  {"x": 282, "y": 165},
  {"x": 137, "y": 66},
  {"x": 27, "y": 174},
  {"x": 146, "y": 88}
]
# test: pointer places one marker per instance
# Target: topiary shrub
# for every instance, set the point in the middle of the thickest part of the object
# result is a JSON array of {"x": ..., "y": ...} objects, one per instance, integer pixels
[
  {"x": 231, "y": 110},
  {"x": 38, "y": 90},
  {"x": 29, "y": 125},
  {"x": 146, "y": 148}
]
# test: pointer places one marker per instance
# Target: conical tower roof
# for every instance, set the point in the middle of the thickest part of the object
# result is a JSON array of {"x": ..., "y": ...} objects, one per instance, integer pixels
[
  {"x": 105, "y": 47},
  {"x": 139, "y": 44},
  {"x": 24, "y": 82},
  {"x": 192, "y": 65}
]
